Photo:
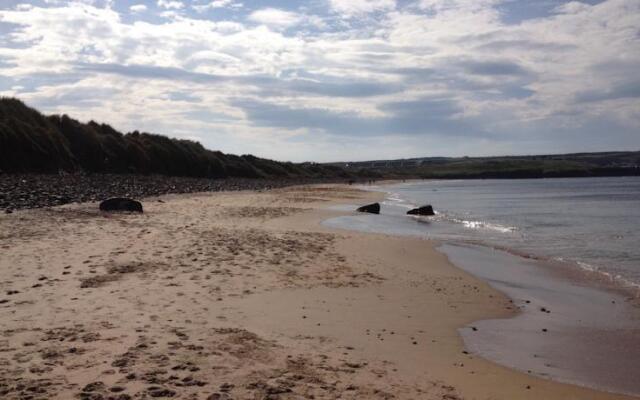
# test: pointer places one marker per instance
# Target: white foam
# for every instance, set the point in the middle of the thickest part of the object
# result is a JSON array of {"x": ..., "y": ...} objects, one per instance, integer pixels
[
  {"x": 407, "y": 206},
  {"x": 394, "y": 199},
  {"x": 479, "y": 225},
  {"x": 617, "y": 278}
]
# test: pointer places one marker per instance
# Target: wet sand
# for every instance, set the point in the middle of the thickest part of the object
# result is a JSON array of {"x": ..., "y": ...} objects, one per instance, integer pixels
[
  {"x": 566, "y": 329},
  {"x": 240, "y": 296}
]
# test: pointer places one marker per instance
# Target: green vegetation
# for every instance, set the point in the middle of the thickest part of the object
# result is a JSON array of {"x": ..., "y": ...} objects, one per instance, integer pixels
[
  {"x": 32, "y": 142},
  {"x": 541, "y": 166}
]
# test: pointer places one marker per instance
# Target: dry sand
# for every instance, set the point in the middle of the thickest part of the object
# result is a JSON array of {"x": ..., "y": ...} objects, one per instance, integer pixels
[{"x": 239, "y": 296}]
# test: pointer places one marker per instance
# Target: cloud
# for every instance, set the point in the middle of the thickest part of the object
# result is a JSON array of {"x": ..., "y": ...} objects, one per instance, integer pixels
[
  {"x": 266, "y": 114},
  {"x": 443, "y": 5},
  {"x": 629, "y": 90},
  {"x": 340, "y": 89},
  {"x": 432, "y": 115},
  {"x": 526, "y": 45},
  {"x": 217, "y": 4},
  {"x": 350, "y": 8},
  {"x": 170, "y": 4},
  {"x": 136, "y": 8},
  {"x": 150, "y": 72},
  {"x": 267, "y": 84},
  {"x": 572, "y": 7},
  {"x": 493, "y": 68},
  {"x": 276, "y": 18},
  {"x": 402, "y": 74}
]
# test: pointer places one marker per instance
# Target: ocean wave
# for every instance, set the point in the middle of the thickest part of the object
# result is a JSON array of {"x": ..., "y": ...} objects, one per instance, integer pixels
[
  {"x": 395, "y": 204},
  {"x": 394, "y": 199},
  {"x": 538, "y": 234},
  {"x": 479, "y": 225},
  {"x": 607, "y": 275}
]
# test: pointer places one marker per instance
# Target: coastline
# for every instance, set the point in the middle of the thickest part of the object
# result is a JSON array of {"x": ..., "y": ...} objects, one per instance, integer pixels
[
  {"x": 564, "y": 268},
  {"x": 232, "y": 295},
  {"x": 566, "y": 330},
  {"x": 590, "y": 337}
]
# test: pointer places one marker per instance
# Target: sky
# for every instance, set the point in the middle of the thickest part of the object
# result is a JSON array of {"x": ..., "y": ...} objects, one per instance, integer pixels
[{"x": 336, "y": 80}]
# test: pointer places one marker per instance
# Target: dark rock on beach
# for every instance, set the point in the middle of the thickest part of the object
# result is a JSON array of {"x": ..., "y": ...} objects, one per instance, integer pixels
[
  {"x": 121, "y": 204},
  {"x": 370, "y": 208},
  {"x": 424, "y": 210}
]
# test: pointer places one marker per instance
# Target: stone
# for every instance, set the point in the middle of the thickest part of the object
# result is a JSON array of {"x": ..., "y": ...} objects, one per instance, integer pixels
[
  {"x": 94, "y": 387},
  {"x": 121, "y": 204},
  {"x": 424, "y": 210},
  {"x": 370, "y": 208}
]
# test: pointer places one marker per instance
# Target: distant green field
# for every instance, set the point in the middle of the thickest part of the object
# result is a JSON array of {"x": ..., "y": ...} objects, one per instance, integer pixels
[{"x": 541, "y": 166}]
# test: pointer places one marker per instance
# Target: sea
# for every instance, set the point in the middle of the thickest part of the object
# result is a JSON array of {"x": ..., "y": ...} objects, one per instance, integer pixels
[{"x": 593, "y": 223}]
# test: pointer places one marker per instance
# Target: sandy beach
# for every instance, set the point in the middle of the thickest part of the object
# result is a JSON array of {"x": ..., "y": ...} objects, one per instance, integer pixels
[{"x": 241, "y": 295}]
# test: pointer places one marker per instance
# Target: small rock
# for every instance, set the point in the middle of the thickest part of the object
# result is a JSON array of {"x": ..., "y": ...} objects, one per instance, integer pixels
[
  {"x": 121, "y": 204},
  {"x": 94, "y": 387},
  {"x": 370, "y": 208},
  {"x": 161, "y": 392},
  {"x": 424, "y": 210},
  {"x": 218, "y": 396},
  {"x": 226, "y": 387}
]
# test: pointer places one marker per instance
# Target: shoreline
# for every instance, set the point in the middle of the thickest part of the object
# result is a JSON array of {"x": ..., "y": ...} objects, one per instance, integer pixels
[
  {"x": 563, "y": 269},
  {"x": 564, "y": 330},
  {"x": 578, "y": 270},
  {"x": 238, "y": 295},
  {"x": 554, "y": 273}
]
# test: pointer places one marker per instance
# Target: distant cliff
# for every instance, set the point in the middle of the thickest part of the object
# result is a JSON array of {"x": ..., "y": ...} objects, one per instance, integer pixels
[{"x": 31, "y": 142}]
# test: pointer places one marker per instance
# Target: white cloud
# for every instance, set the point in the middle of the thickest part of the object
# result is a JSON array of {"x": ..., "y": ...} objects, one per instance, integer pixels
[
  {"x": 170, "y": 4},
  {"x": 275, "y": 17},
  {"x": 572, "y": 7},
  {"x": 451, "y": 69},
  {"x": 439, "y": 5},
  {"x": 217, "y": 4},
  {"x": 357, "y": 7},
  {"x": 138, "y": 8},
  {"x": 220, "y": 3}
]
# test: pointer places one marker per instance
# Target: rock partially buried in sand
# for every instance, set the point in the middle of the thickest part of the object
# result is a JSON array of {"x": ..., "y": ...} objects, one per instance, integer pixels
[
  {"x": 121, "y": 204},
  {"x": 370, "y": 208},
  {"x": 424, "y": 210}
]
